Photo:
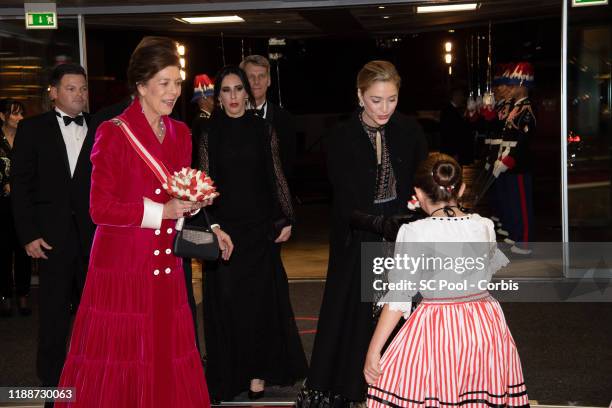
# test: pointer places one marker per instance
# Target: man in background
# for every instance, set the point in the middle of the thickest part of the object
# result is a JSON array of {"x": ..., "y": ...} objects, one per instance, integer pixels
[
  {"x": 257, "y": 69},
  {"x": 50, "y": 187}
]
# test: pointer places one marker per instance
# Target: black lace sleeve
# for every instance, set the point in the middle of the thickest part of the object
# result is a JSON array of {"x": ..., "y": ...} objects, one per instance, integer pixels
[
  {"x": 281, "y": 186},
  {"x": 203, "y": 162},
  {"x": 5, "y": 162}
]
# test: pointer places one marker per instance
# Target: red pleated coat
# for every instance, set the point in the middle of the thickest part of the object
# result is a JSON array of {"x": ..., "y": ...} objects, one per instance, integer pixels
[{"x": 133, "y": 343}]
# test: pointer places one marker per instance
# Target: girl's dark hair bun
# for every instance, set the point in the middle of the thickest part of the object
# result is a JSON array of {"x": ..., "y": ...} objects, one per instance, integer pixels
[{"x": 440, "y": 177}]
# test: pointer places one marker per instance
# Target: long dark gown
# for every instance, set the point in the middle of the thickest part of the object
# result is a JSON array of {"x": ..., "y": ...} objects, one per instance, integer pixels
[
  {"x": 346, "y": 323},
  {"x": 249, "y": 327}
]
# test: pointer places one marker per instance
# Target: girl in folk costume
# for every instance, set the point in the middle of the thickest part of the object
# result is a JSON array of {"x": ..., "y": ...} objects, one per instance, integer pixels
[
  {"x": 133, "y": 343},
  {"x": 455, "y": 348}
]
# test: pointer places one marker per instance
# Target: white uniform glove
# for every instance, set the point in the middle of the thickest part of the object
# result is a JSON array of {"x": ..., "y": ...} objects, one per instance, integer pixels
[{"x": 499, "y": 168}]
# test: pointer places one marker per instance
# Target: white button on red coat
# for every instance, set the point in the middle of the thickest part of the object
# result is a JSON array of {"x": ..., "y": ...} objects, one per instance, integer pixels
[
  {"x": 157, "y": 191},
  {"x": 168, "y": 251},
  {"x": 157, "y": 232},
  {"x": 156, "y": 252},
  {"x": 156, "y": 272},
  {"x": 167, "y": 270},
  {"x": 169, "y": 231}
]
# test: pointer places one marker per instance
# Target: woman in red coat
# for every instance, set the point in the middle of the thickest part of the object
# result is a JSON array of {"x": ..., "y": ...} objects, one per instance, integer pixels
[{"x": 133, "y": 343}]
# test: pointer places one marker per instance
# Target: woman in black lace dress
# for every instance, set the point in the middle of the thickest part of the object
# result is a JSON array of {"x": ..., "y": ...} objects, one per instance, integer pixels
[
  {"x": 371, "y": 159},
  {"x": 249, "y": 328},
  {"x": 11, "y": 113}
]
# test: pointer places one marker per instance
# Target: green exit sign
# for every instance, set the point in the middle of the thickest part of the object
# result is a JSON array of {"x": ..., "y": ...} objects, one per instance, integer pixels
[
  {"x": 580, "y": 3},
  {"x": 41, "y": 20}
]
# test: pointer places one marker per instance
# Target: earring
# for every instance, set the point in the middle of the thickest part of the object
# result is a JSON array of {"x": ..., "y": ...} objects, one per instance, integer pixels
[
  {"x": 221, "y": 105},
  {"x": 361, "y": 103}
]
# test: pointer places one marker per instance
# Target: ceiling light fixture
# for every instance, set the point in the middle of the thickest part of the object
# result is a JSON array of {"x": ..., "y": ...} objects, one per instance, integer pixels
[
  {"x": 446, "y": 8},
  {"x": 210, "y": 19}
]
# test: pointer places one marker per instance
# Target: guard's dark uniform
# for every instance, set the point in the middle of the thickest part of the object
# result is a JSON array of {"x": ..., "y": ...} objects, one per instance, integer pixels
[
  {"x": 516, "y": 181},
  {"x": 502, "y": 109}
]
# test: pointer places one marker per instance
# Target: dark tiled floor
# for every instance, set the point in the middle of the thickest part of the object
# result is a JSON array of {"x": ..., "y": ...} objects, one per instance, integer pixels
[{"x": 566, "y": 348}]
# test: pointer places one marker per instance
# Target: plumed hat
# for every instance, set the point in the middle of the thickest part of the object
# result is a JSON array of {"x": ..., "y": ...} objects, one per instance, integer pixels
[
  {"x": 518, "y": 74},
  {"x": 498, "y": 74},
  {"x": 203, "y": 87}
]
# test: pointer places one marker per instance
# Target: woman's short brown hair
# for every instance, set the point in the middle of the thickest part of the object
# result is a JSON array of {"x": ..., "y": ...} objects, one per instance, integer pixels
[
  {"x": 151, "y": 55},
  {"x": 440, "y": 177},
  {"x": 377, "y": 71}
]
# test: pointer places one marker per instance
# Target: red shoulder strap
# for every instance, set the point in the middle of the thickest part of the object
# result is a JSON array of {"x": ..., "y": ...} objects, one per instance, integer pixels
[{"x": 157, "y": 167}]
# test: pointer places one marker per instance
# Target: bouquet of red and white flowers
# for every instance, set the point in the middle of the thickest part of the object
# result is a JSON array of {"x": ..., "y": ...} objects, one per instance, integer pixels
[
  {"x": 191, "y": 185},
  {"x": 413, "y": 204}
]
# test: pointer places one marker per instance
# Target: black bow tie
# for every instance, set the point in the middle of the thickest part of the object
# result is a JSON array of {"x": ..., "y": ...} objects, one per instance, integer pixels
[
  {"x": 78, "y": 120},
  {"x": 260, "y": 112}
]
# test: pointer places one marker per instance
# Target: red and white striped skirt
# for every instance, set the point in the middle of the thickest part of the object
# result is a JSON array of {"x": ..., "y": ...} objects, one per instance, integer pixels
[{"x": 452, "y": 355}]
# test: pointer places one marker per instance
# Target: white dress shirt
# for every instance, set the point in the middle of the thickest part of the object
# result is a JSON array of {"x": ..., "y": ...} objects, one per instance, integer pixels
[{"x": 74, "y": 136}]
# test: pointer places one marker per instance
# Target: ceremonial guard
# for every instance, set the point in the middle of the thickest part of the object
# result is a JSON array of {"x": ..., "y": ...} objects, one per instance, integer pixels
[
  {"x": 513, "y": 165},
  {"x": 491, "y": 125},
  {"x": 203, "y": 90},
  {"x": 503, "y": 106}
]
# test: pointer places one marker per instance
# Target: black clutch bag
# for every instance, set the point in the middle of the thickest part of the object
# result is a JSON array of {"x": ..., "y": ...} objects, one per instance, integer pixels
[{"x": 196, "y": 241}]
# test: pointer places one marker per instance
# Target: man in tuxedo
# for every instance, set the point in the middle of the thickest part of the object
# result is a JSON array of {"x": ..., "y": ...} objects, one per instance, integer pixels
[
  {"x": 50, "y": 198},
  {"x": 257, "y": 69}
]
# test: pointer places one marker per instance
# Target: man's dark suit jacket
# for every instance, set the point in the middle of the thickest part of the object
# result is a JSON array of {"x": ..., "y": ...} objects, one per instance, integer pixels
[
  {"x": 284, "y": 125},
  {"x": 44, "y": 196}
]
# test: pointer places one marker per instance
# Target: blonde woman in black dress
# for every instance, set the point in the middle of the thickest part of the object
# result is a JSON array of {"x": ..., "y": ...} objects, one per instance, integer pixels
[{"x": 371, "y": 161}]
